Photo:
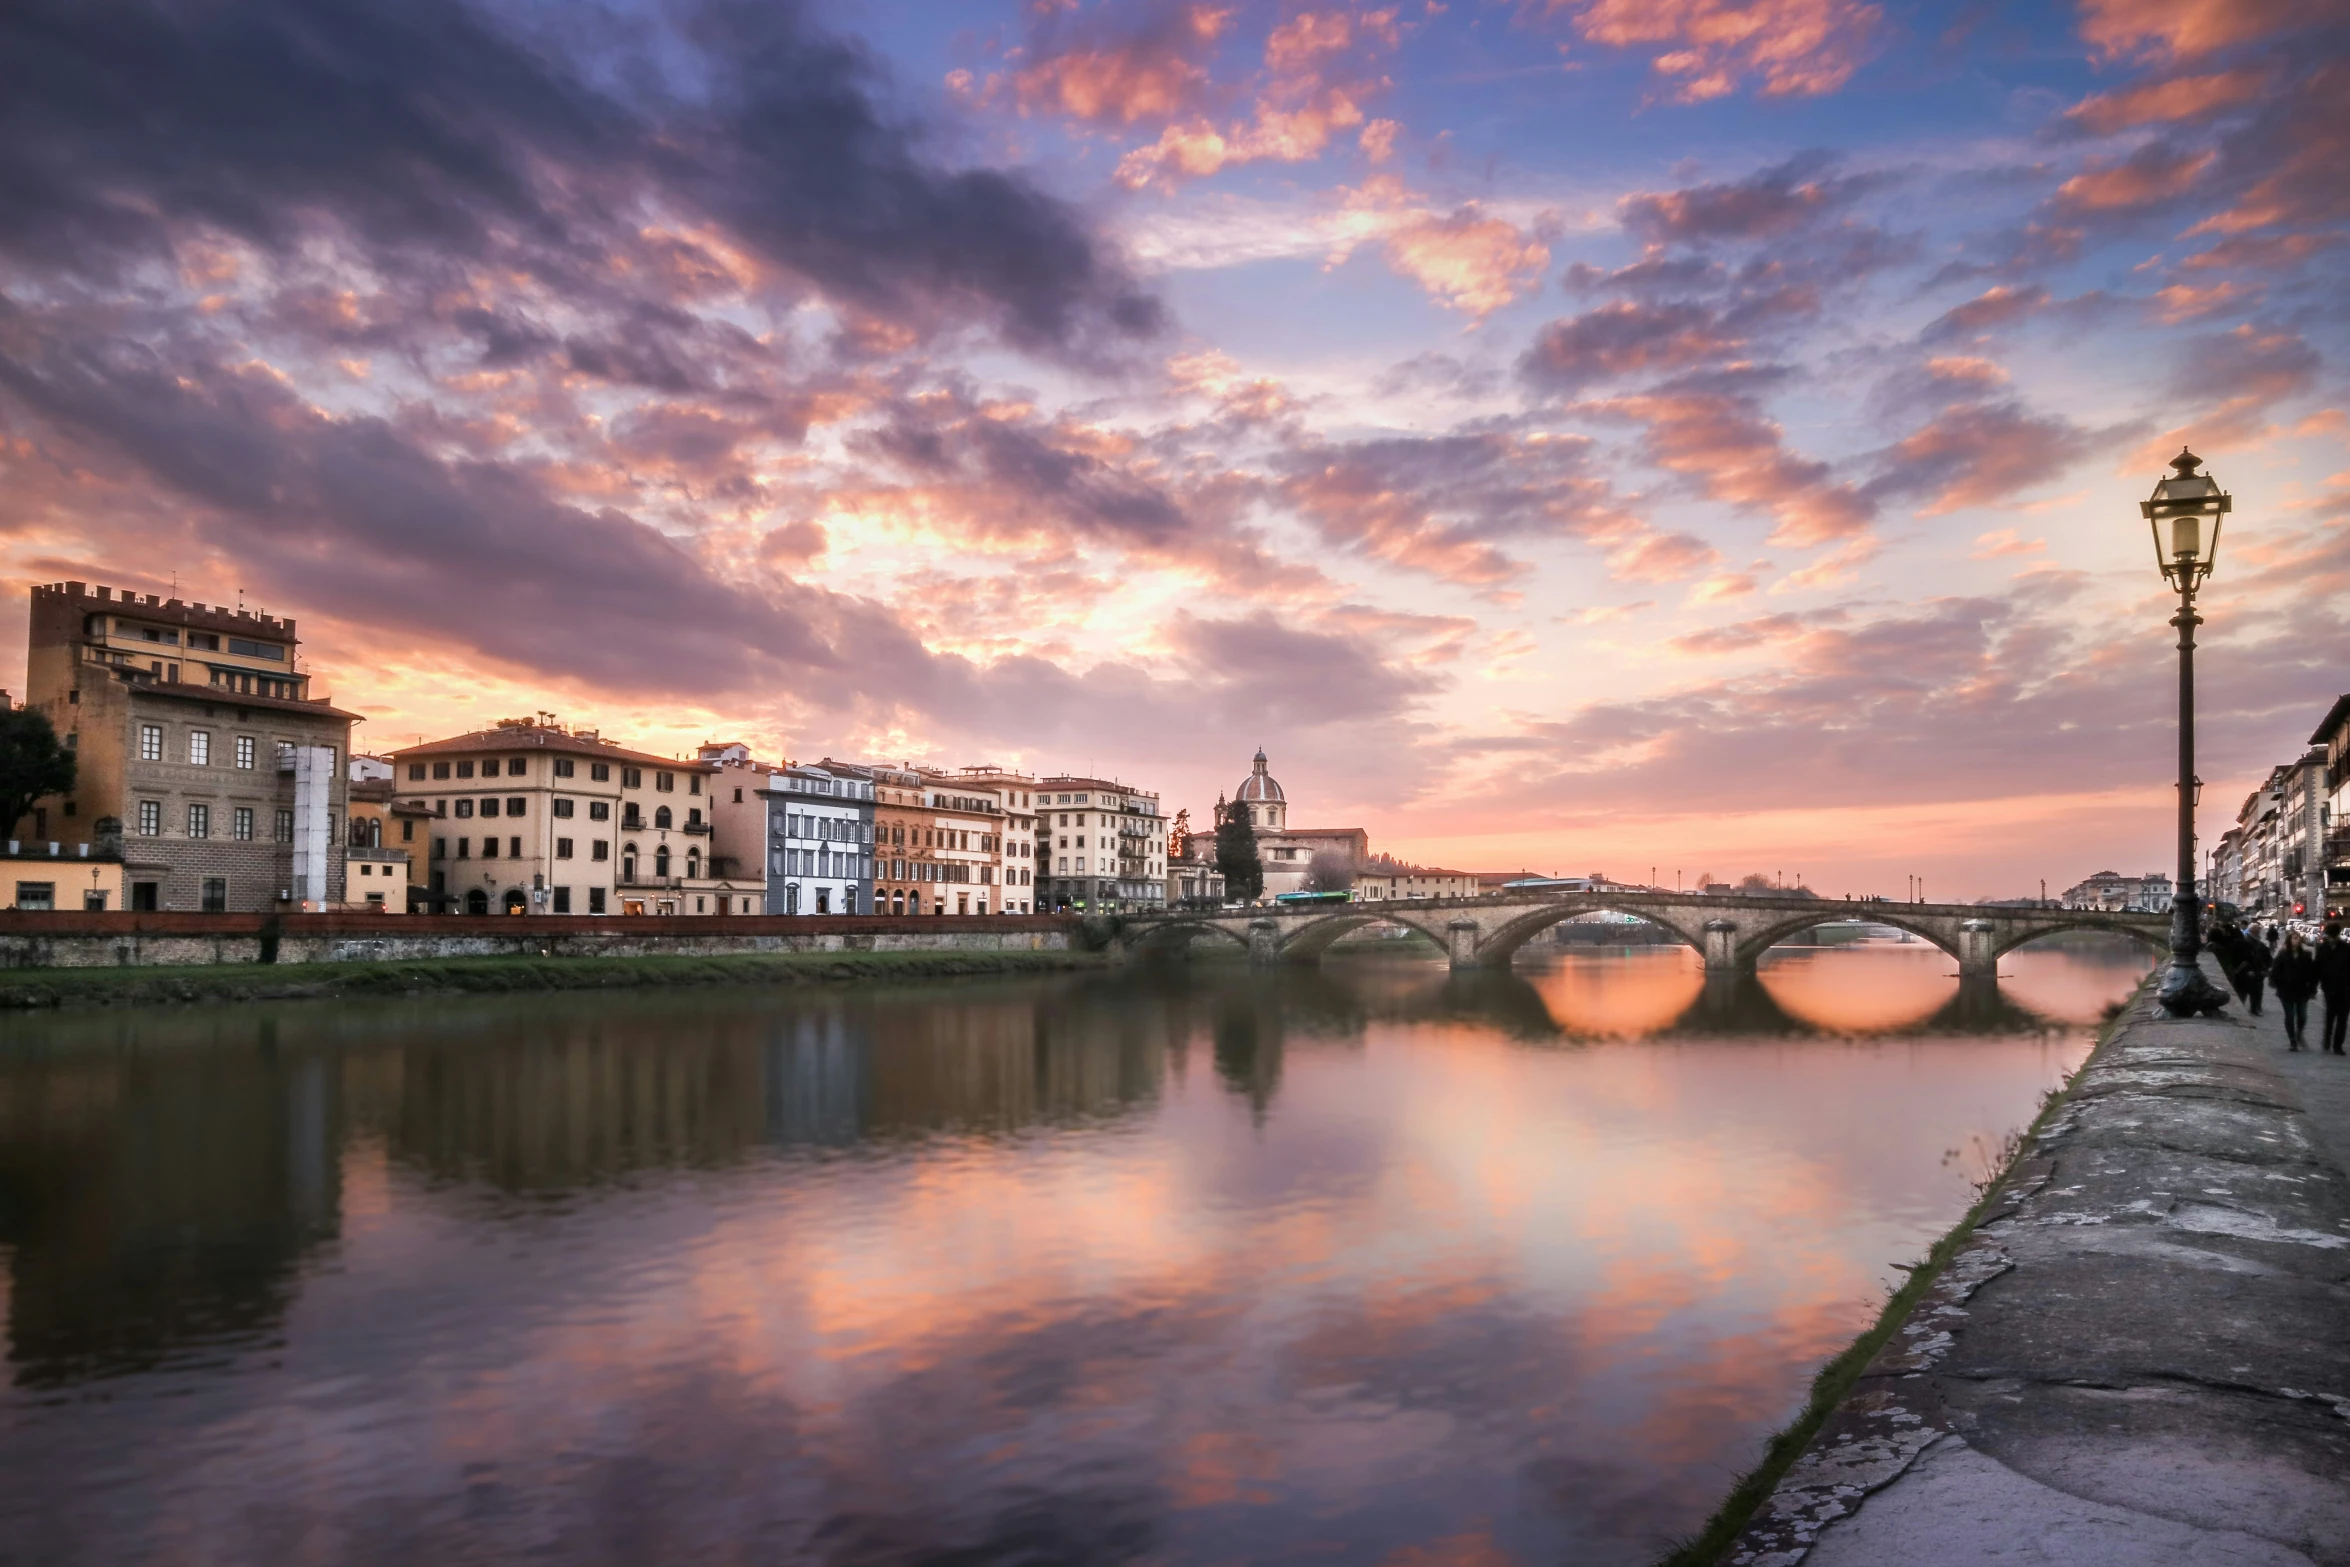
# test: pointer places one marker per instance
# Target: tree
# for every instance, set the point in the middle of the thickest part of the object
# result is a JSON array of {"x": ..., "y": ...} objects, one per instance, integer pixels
[
  {"x": 1236, "y": 853},
  {"x": 32, "y": 763},
  {"x": 1330, "y": 870}
]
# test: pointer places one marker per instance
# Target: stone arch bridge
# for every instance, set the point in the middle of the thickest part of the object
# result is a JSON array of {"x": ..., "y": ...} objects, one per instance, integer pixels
[{"x": 1731, "y": 932}]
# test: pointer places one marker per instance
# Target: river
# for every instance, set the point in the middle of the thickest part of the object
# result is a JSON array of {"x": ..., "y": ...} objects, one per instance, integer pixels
[{"x": 1372, "y": 1264}]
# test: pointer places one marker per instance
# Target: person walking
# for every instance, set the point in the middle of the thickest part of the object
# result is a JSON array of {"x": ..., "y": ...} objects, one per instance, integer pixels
[
  {"x": 2294, "y": 977},
  {"x": 2251, "y": 977},
  {"x": 2242, "y": 960},
  {"x": 2333, "y": 983}
]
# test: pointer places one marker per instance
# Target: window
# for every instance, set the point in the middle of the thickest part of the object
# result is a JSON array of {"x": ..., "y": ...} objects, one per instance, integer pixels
[
  {"x": 600, "y": 849},
  {"x": 515, "y": 803},
  {"x": 596, "y": 895},
  {"x": 489, "y": 805},
  {"x": 661, "y": 817},
  {"x": 561, "y": 809},
  {"x": 600, "y": 772},
  {"x": 36, "y": 895},
  {"x": 150, "y": 818},
  {"x": 415, "y": 772},
  {"x": 285, "y": 827},
  {"x": 563, "y": 769},
  {"x": 465, "y": 808},
  {"x": 665, "y": 782},
  {"x": 215, "y": 895},
  {"x": 440, "y": 769},
  {"x": 661, "y": 860},
  {"x": 693, "y": 783},
  {"x": 562, "y": 848},
  {"x": 489, "y": 848},
  {"x": 408, "y": 830},
  {"x": 465, "y": 848},
  {"x": 199, "y": 748},
  {"x": 514, "y": 848},
  {"x": 150, "y": 742},
  {"x": 241, "y": 824},
  {"x": 205, "y": 640},
  {"x": 465, "y": 769},
  {"x": 632, "y": 778},
  {"x": 516, "y": 767},
  {"x": 599, "y": 810},
  {"x": 562, "y": 900},
  {"x": 255, "y": 649}
]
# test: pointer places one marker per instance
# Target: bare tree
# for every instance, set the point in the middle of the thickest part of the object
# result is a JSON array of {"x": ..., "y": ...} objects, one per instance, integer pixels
[{"x": 1330, "y": 870}]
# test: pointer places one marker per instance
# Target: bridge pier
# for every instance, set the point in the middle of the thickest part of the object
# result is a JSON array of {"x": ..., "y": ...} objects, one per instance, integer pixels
[
  {"x": 1721, "y": 947},
  {"x": 1978, "y": 950},
  {"x": 1461, "y": 943},
  {"x": 1264, "y": 941}
]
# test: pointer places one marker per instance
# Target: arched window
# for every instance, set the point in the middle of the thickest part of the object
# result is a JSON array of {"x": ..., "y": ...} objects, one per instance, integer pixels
[
  {"x": 628, "y": 862},
  {"x": 661, "y": 817},
  {"x": 661, "y": 861},
  {"x": 693, "y": 862}
]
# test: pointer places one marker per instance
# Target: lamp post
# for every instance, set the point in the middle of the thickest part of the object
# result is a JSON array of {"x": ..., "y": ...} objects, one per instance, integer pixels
[{"x": 2185, "y": 513}]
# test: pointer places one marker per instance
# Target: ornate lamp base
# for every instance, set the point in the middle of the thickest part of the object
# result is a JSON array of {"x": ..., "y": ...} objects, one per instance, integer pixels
[{"x": 2186, "y": 990}]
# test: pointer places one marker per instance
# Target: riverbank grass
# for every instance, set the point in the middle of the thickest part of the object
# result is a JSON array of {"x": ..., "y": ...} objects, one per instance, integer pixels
[
  {"x": 1835, "y": 1379},
  {"x": 27, "y": 989}
]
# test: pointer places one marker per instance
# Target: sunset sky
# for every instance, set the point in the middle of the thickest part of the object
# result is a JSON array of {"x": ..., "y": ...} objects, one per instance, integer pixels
[{"x": 1589, "y": 435}]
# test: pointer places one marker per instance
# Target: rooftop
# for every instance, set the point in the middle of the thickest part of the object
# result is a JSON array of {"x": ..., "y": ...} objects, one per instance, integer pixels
[
  {"x": 170, "y": 612},
  {"x": 515, "y": 735}
]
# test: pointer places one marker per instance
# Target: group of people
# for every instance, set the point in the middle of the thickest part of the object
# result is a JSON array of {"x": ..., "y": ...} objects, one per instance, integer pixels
[{"x": 2296, "y": 969}]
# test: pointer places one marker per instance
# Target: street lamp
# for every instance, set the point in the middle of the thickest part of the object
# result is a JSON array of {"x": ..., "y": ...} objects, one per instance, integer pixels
[{"x": 2184, "y": 514}]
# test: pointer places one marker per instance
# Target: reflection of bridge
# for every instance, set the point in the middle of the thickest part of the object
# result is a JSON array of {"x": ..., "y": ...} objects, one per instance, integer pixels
[{"x": 1731, "y": 932}]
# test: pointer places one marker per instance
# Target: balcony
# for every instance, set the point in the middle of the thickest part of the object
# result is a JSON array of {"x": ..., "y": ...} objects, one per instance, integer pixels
[{"x": 698, "y": 829}]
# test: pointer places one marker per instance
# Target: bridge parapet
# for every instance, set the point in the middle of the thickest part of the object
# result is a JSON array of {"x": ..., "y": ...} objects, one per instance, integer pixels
[{"x": 1730, "y": 932}]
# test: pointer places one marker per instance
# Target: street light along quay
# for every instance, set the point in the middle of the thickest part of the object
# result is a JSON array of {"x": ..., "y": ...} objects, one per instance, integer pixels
[{"x": 2184, "y": 513}]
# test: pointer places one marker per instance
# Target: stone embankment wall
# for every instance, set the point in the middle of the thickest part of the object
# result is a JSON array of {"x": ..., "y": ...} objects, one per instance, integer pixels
[{"x": 72, "y": 940}]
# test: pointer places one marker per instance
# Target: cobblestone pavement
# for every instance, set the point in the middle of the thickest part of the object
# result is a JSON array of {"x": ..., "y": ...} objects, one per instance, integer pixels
[{"x": 2142, "y": 1354}]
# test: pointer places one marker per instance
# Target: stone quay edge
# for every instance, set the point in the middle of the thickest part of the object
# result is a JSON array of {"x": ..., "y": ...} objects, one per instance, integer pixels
[{"x": 2141, "y": 1353}]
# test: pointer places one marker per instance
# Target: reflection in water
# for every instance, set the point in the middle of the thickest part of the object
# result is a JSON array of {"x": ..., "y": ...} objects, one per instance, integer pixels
[{"x": 1180, "y": 1265}]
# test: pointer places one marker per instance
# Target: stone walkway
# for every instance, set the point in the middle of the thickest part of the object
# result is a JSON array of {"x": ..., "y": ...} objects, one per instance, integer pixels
[{"x": 2141, "y": 1357}]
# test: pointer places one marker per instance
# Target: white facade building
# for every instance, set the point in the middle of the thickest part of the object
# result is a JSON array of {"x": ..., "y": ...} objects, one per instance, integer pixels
[{"x": 820, "y": 841}]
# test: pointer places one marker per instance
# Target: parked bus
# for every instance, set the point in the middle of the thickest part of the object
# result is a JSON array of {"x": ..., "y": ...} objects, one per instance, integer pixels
[{"x": 1313, "y": 897}]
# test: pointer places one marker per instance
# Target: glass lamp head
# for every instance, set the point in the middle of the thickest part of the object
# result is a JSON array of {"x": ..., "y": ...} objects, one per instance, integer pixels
[{"x": 2184, "y": 513}]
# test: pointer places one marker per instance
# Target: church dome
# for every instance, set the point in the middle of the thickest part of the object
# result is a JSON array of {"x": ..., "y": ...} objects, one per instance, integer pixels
[{"x": 1259, "y": 785}]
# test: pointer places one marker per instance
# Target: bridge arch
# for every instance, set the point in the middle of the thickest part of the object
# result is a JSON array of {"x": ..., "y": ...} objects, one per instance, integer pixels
[
  {"x": 1178, "y": 932},
  {"x": 1927, "y": 928},
  {"x": 2155, "y": 940},
  {"x": 1502, "y": 945},
  {"x": 1317, "y": 936}
]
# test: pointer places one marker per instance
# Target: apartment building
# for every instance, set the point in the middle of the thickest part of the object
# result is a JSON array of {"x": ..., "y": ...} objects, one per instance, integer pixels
[
  {"x": 2331, "y": 739},
  {"x": 962, "y": 830},
  {"x": 204, "y": 761},
  {"x": 531, "y": 818},
  {"x": 384, "y": 842},
  {"x": 1108, "y": 845},
  {"x": 2111, "y": 891},
  {"x": 1015, "y": 796},
  {"x": 820, "y": 839}
]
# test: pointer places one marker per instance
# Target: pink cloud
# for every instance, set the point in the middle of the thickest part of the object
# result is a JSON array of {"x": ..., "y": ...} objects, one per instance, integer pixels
[
  {"x": 2167, "y": 102},
  {"x": 1722, "y": 441},
  {"x": 2183, "y": 29},
  {"x": 1709, "y": 48}
]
